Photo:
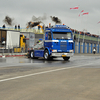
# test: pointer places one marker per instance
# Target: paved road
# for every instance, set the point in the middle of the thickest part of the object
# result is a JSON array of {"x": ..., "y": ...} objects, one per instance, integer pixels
[{"x": 77, "y": 79}]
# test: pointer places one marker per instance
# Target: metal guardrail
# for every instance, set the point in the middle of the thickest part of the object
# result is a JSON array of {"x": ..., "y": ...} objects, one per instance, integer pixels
[
  {"x": 87, "y": 37},
  {"x": 34, "y": 30}
]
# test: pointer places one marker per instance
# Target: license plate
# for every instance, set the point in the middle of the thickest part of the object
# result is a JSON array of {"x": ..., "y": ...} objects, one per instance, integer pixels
[{"x": 63, "y": 55}]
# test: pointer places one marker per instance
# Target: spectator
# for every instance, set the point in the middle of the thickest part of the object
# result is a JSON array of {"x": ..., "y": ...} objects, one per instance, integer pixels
[
  {"x": 18, "y": 26},
  {"x": 38, "y": 27},
  {"x": 43, "y": 27},
  {"x": 3, "y": 26},
  {"x": 3, "y": 39},
  {"x": 38, "y": 41},
  {"x": 94, "y": 50},
  {"x": 15, "y": 26}
]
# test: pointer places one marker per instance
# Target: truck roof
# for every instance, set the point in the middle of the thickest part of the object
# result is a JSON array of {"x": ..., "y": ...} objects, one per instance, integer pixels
[{"x": 59, "y": 28}]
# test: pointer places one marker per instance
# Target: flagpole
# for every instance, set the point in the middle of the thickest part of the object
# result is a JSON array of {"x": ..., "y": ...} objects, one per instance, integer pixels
[
  {"x": 75, "y": 8},
  {"x": 86, "y": 18},
  {"x": 86, "y": 21},
  {"x": 81, "y": 18},
  {"x": 82, "y": 22}
]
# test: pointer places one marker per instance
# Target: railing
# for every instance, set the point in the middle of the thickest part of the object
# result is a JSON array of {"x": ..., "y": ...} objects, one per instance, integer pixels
[
  {"x": 87, "y": 37},
  {"x": 34, "y": 30}
]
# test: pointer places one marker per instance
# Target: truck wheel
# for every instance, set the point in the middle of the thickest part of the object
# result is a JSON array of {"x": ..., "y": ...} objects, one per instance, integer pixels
[
  {"x": 66, "y": 58},
  {"x": 32, "y": 54},
  {"x": 46, "y": 55}
]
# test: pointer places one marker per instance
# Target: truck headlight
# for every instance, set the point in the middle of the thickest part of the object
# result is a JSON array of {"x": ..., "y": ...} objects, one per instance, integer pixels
[
  {"x": 54, "y": 50},
  {"x": 71, "y": 51}
]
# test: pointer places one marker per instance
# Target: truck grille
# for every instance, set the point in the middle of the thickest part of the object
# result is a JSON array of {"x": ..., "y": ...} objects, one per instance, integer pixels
[{"x": 63, "y": 46}]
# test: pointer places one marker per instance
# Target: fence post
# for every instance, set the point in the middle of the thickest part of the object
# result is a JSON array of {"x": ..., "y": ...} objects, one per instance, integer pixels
[
  {"x": 12, "y": 50},
  {"x": 16, "y": 48},
  {"x": 8, "y": 48},
  {"x": 3, "y": 51}
]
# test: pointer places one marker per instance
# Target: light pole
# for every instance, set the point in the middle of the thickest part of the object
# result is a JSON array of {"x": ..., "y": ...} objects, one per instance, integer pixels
[{"x": 84, "y": 30}]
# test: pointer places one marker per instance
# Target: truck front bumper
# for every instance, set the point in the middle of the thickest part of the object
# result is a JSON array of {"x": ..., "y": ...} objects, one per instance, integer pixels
[{"x": 62, "y": 54}]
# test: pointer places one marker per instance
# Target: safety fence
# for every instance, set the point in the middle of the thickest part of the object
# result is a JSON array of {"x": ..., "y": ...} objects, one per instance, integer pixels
[{"x": 12, "y": 49}]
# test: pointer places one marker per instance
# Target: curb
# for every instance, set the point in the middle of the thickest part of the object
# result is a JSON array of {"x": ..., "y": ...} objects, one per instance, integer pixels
[{"x": 12, "y": 55}]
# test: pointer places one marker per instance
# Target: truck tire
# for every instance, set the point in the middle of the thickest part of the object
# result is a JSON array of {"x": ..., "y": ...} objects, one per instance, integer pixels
[
  {"x": 66, "y": 58},
  {"x": 46, "y": 55},
  {"x": 32, "y": 54}
]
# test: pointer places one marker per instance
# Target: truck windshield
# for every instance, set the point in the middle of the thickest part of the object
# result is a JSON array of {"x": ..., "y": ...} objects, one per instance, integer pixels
[{"x": 61, "y": 35}]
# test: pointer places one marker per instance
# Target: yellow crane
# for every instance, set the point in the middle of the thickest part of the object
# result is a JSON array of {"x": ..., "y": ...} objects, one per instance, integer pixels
[
  {"x": 22, "y": 44},
  {"x": 32, "y": 23}
]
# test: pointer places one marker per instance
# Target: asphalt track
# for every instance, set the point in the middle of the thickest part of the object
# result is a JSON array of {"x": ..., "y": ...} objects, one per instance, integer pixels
[{"x": 36, "y": 79}]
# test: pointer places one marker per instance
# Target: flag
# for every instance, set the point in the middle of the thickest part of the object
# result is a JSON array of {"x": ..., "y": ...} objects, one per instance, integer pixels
[
  {"x": 74, "y": 8},
  {"x": 98, "y": 22},
  {"x": 85, "y": 13},
  {"x": 81, "y": 12},
  {"x": 79, "y": 15}
]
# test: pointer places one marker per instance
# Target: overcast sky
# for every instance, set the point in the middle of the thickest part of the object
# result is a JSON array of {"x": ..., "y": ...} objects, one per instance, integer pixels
[{"x": 23, "y": 10}]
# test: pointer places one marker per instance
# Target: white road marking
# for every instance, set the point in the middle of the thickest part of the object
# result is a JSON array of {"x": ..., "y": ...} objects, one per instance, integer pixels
[
  {"x": 8, "y": 79},
  {"x": 9, "y": 65}
]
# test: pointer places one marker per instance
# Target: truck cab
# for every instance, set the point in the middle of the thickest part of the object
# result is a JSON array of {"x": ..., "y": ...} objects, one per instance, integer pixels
[{"x": 58, "y": 42}]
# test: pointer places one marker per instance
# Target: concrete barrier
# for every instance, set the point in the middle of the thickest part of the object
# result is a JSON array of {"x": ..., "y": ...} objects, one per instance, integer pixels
[{"x": 12, "y": 55}]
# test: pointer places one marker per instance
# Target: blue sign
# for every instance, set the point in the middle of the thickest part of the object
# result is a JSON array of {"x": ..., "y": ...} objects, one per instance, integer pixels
[{"x": 60, "y": 26}]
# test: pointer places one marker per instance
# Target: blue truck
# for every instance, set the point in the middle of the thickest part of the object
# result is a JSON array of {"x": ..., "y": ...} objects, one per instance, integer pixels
[{"x": 57, "y": 42}]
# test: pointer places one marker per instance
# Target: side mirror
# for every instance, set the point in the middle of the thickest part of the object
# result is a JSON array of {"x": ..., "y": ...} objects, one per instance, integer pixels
[{"x": 74, "y": 37}]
